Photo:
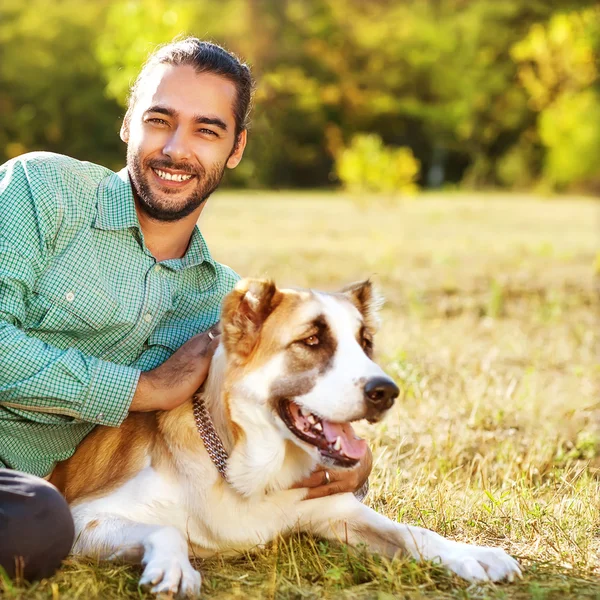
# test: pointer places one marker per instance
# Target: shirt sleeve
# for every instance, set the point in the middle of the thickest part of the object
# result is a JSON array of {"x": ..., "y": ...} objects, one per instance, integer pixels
[{"x": 34, "y": 375}]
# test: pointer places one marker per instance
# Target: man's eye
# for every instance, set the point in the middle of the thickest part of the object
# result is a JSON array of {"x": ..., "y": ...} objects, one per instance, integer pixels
[
  {"x": 208, "y": 132},
  {"x": 156, "y": 121},
  {"x": 311, "y": 340}
]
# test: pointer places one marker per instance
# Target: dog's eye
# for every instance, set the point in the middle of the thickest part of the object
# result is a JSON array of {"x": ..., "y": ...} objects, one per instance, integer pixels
[{"x": 311, "y": 340}]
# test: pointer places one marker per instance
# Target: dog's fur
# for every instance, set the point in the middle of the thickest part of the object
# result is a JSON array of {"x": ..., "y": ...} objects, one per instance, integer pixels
[{"x": 148, "y": 491}]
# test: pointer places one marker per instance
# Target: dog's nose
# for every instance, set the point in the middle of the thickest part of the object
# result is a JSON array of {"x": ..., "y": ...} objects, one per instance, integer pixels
[{"x": 380, "y": 392}]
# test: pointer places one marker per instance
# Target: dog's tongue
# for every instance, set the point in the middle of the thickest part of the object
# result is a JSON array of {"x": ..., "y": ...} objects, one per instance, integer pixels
[{"x": 352, "y": 446}]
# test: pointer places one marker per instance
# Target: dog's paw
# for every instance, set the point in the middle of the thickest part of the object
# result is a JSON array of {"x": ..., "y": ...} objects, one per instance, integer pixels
[
  {"x": 171, "y": 574},
  {"x": 480, "y": 563}
]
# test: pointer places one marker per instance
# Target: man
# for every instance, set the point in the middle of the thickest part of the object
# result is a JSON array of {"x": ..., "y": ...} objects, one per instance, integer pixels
[{"x": 105, "y": 282}]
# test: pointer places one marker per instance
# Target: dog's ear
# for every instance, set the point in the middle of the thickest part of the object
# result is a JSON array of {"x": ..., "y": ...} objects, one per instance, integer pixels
[
  {"x": 368, "y": 301},
  {"x": 244, "y": 311}
]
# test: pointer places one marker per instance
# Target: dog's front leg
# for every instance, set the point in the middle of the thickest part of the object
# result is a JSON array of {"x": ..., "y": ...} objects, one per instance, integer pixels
[
  {"x": 161, "y": 549},
  {"x": 347, "y": 520}
]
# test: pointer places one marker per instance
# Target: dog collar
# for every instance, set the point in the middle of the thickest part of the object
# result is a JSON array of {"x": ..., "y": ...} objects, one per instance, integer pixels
[{"x": 210, "y": 437}]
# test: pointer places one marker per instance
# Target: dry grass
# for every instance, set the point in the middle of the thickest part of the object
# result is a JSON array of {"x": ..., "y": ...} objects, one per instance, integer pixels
[{"x": 492, "y": 331}]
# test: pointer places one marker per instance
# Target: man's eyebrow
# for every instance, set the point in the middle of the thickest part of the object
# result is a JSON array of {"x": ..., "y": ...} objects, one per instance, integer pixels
[
  {"x": 163, "y": 110},
  {"x": 211, "y": 121},
  {"x": 170, "y": 112}
]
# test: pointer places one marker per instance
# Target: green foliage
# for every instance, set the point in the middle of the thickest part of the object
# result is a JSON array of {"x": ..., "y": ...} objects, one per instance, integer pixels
[
  {"x": 369, "y": 166},
  {"x": 51, "y": 85},
  {"x": 141, "y": 26},
  {"x": 557, "y": 68},
  {"x": 570, "y": 131},
  {"x": 472, "y": 87}
]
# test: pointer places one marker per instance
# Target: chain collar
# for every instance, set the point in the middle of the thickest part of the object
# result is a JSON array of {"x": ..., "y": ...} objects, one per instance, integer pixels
[
  {"x": 210, "y": 437},
  {"x": 216, "y": 450}
]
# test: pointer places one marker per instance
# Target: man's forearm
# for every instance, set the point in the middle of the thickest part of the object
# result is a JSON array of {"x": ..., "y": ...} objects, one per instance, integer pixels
[
  {"x": 175, "y": 380},
  {"x": 37, "y": 376}
]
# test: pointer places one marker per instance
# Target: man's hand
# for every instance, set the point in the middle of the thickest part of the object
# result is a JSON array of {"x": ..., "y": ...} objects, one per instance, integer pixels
[
  {"x": 340, "y": 480},
  {"x": 179, "y": 377}
]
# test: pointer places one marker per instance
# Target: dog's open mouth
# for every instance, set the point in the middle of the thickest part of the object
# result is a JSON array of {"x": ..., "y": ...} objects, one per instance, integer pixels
[{"x": 336, "y": 441}]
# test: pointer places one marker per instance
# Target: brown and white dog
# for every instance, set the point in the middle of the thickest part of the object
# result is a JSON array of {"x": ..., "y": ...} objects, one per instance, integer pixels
[{"x": 293, "y": 370}]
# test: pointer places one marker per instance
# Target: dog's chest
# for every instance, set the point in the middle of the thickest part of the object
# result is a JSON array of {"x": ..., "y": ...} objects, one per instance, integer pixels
[
  {"x": 208, "y": 512},
  {"x": 228, "y": 522}
]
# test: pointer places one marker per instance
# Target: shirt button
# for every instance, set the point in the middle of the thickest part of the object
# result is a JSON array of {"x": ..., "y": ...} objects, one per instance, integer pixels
[
  {"x": 69, "y": 296},
  {"x": 147, "y": 317},
  {"x": 100, "y": 417}
]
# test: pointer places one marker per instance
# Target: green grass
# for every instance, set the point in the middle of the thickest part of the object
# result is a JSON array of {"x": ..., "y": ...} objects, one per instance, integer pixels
[{"x": 492, "y": 330}]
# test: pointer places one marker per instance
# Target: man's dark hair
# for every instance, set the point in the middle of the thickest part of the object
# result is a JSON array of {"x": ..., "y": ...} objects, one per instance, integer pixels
[{"x": 204, "y": 57}]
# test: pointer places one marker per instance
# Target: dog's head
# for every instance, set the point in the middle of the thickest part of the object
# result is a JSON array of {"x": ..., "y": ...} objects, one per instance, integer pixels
[{"x": 300, "y": 361}]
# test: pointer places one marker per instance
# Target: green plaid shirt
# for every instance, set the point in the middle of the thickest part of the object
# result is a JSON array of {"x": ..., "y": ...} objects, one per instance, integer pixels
[{"x": 84, "y": 306}]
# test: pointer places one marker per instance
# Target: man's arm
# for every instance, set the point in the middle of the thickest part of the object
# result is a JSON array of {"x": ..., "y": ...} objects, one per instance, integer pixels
[
  {"x": 39, "y": 377},
  {"x": 179, "y": 377}
]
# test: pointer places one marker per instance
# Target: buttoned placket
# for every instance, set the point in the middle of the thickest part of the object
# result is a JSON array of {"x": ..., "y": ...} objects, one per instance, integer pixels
[
  {"x": 150, "y": 313},
  {"x": 150, "y": 309}
]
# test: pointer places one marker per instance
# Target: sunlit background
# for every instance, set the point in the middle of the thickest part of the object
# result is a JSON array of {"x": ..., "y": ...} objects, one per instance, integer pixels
[
  {"x": 380, "y": 95},
  {"x": 450, "y": 150}
]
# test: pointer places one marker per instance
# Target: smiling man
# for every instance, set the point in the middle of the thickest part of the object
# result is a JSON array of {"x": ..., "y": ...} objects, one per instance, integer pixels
[{"x": 109, "y": 297}]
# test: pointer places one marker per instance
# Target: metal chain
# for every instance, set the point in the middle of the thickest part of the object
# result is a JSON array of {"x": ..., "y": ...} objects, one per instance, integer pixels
[{"x": 210, "y": 437}]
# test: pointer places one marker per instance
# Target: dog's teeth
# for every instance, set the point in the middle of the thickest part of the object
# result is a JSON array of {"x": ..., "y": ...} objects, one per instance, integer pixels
[
  {"x": 311, "y": 419},
  {"x": 338, "y": 444},
  {"x": 318, "y": 427},
  {"x": 305, "y": 412}
]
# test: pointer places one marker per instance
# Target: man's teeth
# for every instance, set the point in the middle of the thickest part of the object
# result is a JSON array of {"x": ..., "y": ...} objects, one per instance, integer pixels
[
  {"x": 338, "y": 444},
  {"x": 172, "y": 176}
]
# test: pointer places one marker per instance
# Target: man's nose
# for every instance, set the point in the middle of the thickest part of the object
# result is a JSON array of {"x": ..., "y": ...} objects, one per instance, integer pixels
[
  {"x": 380, "y": 393},
  {"x": 177, "y": 147}
]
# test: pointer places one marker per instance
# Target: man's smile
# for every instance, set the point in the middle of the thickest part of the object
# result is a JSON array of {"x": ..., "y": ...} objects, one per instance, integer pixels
[{"x": 172, "y": 179}]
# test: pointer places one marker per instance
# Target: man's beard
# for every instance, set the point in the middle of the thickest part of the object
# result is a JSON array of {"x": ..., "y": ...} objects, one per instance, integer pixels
[{"x": 153, "y": 205}]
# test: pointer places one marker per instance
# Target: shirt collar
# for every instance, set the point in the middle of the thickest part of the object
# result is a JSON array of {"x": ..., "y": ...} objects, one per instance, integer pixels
[
  {"x": 197, "y": 251},
  {"x": 116, "y": 208}
]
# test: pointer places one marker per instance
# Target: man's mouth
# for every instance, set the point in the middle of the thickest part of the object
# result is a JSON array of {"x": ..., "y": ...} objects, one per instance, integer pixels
[
  {"x": 169, "y": 178},
  {"x": 336, "y": 441}
]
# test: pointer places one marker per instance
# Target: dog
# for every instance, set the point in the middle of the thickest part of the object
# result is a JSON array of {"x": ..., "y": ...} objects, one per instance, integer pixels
[{"x": 293, "y": 369}]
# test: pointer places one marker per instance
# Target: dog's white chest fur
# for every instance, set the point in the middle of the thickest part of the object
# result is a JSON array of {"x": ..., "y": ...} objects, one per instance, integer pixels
[{"x": 213, "y": 518}]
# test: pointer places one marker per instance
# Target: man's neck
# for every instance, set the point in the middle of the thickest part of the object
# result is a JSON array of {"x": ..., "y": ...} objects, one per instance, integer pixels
[{"x": 165, "y": 239}]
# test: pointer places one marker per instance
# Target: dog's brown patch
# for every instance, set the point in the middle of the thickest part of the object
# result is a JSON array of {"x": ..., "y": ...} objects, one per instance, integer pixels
[
  {"x": 304, "y": 362},
  {"x": 236, "y": 431},
  {"x": 107, "y": 458},
  {"x": 243, "y": 314}
]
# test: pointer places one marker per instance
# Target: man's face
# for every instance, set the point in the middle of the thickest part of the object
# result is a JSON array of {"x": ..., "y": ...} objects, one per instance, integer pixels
[{"x": 180, "y": 136}]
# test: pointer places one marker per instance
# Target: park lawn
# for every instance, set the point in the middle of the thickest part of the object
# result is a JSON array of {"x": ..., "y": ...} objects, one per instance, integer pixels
[{"x": 491, "y": 329}]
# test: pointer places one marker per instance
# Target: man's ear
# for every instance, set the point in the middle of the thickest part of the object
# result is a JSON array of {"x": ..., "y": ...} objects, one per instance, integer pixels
[
  {"x": 124, "y": 133},
  {"x": 238, "y": 150},
  {"x": 244, "y": 311},
  {"x": 367, "y": 300}
]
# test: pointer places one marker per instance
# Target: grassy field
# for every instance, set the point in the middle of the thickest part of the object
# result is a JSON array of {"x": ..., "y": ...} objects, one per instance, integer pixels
[{"x": 492, "y": 330}]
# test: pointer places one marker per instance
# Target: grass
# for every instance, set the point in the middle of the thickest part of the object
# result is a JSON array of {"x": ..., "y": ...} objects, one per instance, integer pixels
[{"x": 492, "y": 330}]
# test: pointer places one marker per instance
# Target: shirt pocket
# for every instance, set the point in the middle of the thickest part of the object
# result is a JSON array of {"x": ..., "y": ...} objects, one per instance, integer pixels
[{"x": 74, "y": 305}]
